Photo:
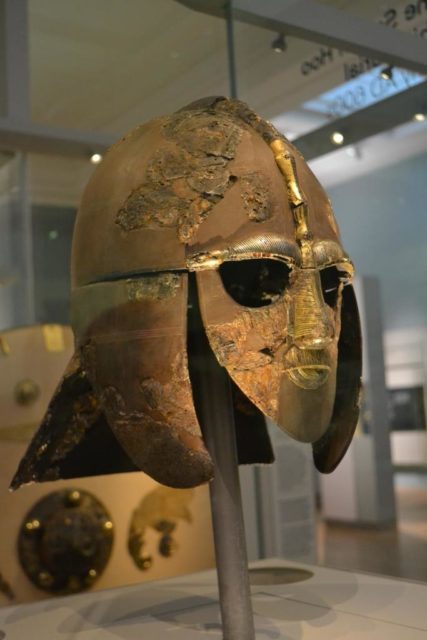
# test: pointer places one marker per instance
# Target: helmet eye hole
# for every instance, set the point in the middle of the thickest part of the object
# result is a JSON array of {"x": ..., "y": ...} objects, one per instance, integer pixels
[
  {"x": 255, "y": 283},
  {"x": 331, "y": 278}
]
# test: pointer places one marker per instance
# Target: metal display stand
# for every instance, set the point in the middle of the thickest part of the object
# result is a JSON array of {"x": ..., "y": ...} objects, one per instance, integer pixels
[{"x": 212, "y": 395}]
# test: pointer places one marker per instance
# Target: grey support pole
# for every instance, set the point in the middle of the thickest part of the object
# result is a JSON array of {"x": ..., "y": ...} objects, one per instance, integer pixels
[
  {"x": 232, "y": 73},
  {"x": 226, "y": 505},
  {"x": 212, "y": 393},
  {"x": 14, "y": 60}
]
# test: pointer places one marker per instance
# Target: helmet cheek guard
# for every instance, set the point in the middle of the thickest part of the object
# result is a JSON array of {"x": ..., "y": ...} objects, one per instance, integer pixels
[
  {"x": 215, "y": 190},
  {"x": 133, "y": 341},
  {"x": 331, "y": 448}
]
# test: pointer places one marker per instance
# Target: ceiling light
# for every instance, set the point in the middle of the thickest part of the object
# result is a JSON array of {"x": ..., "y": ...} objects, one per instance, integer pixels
[
  {"x": 386, "y": 73},
  {"x": 279, "y": 44},
  {"x": 53, "y": 234},
  {"x": 337, "y": 137},
  {"x": 419, "y": 117},
  {"x": 96, "y": 158}
]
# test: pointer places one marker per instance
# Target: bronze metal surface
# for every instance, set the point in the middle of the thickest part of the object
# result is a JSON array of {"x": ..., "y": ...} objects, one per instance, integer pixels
[
  {"x": 209, "y": 187},
  {"x": 132, "y": 334},
  {"x": 330, "y": 449},
  {"x": 129, "y": 378},
  {"x": 284, "y": 355},
  {"x": 254, "y": 345},
  {"x": 65, "y": 541},
  {"x": 162, "y": 195}
]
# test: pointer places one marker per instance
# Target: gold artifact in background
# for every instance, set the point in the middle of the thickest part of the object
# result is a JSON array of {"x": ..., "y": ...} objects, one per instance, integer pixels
[
  {"x": 65, "y": 541},
  {"x": 54, "y": 337},
  {"x": 161, "y": 509},
  {"x": 33, "y": 361}
]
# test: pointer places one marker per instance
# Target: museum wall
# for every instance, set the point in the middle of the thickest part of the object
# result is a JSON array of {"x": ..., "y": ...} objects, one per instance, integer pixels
[
  {"x": 382, "y": 219},
  {"x": 406, "y": 375}
]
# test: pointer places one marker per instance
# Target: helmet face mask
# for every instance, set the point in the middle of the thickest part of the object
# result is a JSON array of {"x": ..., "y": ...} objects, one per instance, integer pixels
[
  {"x": 274, "y": 321},
  {"x": 215, "y": 190},
  {"x": 283, "y": 354}
]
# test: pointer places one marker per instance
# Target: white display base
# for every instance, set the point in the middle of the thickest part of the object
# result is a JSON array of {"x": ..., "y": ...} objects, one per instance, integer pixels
[{"x": 331, "y": 604}]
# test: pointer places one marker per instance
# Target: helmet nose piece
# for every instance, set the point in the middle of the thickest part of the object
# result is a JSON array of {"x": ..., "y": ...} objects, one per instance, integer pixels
[
  {"x": 313, "y": 342},
  {"x": 311, "y": 325}
]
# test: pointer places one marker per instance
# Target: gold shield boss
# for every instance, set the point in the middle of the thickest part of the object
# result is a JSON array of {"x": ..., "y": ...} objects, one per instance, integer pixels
[{"x": 215, "y": 190}]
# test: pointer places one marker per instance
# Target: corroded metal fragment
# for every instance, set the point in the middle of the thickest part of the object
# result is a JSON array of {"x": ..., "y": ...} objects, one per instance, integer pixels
[
  {"x": 256, "y": 197},
  {"x": 67, "y": 442},
  {"x": 149, "y": 207},
  {"x": 203, "y": 134},
  {"x": 71, "y": 426},
  {"x": 161, "y": 286},
  {"x": 241, "y": 112},
  {"x": 184, "y": 180}
]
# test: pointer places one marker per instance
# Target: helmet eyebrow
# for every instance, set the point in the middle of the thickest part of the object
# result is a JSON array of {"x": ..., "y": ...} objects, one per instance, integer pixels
[
  {"x": 267, "y": 245},
  {"x": 328, "y": 253}
]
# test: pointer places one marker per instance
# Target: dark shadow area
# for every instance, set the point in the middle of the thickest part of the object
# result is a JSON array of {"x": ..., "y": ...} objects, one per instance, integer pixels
[{"x": 278, "y": 575}]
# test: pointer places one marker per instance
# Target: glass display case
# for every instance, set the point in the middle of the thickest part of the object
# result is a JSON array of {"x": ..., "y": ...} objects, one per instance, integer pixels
[{"x": 356, "y": 109}]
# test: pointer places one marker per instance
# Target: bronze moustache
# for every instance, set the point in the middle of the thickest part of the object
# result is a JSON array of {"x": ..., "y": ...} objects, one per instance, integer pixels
[{"x": 215, "y": 190}]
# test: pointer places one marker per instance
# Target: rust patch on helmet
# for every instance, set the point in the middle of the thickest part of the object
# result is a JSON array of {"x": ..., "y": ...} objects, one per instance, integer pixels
[
  {"x": 161, "y": 436},
  {"x": 201, "y": 133},
  {"x": 74, "y": 409},
  {"x": 240, "y": 111},
  {"x": 85, "y": 410},
  {"x": 149, "y": 207},
  {"x": 185, "y": 181},
  {"x": 168, "y": 402},
  {"x": 156, "y": 287},
  {"x": 150, "y": 412},
  {"x": 256, "y": 198},
  {"x": 265, "y": 328},
  {"x": 247, "y": 346}
]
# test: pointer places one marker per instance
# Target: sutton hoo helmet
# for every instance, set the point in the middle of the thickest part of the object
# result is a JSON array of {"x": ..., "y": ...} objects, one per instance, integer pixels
[{"x": 214, "y": 190}]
